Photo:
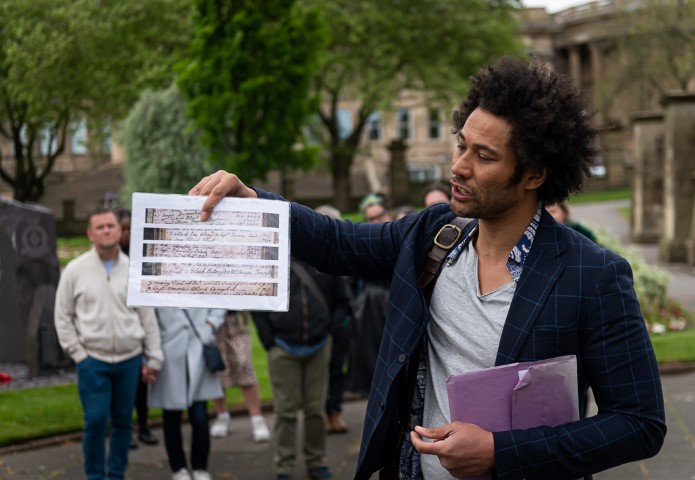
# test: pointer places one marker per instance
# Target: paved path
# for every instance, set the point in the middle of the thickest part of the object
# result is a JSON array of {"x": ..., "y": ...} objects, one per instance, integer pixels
[
  {"x": 238, "y": 457},
  {"x": 233, "y": 457},
  {"x": 676, "y": 461}
]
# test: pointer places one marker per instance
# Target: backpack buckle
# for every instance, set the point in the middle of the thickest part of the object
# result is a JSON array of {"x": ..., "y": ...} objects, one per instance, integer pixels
[{"x": 447, "y": 236}]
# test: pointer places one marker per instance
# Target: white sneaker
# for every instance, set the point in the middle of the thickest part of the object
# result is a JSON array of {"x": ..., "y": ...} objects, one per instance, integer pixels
[
  {"x": 201, "y": 475},
  {"x": 221, "y": 427},
  {"x": 181, "y": 474},
  {"x": 260, "y": 429}
]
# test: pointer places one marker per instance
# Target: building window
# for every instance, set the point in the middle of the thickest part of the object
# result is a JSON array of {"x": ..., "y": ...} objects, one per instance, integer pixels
[
  {"x": 424, "y": 173},
  {"x": 374, "y": 126},
  {"x": 435, "y": 125},
  {"x": 79, "y": 137},
  {"x": 48, "y": 141},
  {"x": 403, "y": 123},
  {"x": 344, "y": 122}
]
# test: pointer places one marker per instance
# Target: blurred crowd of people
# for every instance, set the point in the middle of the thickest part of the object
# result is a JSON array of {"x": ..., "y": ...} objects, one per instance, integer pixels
[{"x": 323, "y": 348}]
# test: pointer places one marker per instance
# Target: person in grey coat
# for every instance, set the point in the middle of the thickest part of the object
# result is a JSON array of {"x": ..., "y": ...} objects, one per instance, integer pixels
[{"x": 185, "y": 383}]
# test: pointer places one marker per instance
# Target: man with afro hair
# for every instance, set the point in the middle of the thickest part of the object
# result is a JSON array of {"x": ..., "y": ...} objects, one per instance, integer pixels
[{"x": 516, "y": 286}]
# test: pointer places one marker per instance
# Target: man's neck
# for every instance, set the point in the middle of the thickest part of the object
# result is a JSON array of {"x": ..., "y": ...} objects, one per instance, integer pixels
[
  {"x": 497, "y": 237},
  {"x": 107, "y": 253}
]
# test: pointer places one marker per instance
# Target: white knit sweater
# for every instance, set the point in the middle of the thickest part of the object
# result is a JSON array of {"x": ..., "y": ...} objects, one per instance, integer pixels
[{"x": 91, "y": 316}]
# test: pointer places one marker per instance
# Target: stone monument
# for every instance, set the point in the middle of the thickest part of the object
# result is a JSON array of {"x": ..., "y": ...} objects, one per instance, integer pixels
[{"x": 29, "y": 265}]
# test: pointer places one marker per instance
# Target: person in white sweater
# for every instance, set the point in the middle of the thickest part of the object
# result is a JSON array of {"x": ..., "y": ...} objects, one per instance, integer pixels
[{"x": 111, "y": 344}]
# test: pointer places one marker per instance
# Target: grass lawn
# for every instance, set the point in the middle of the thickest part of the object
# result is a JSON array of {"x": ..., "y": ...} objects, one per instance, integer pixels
[
  {"x": 613, "y": 194},
  {"x": 675, "y": 346},
  {"x": 46, "y": 411}
]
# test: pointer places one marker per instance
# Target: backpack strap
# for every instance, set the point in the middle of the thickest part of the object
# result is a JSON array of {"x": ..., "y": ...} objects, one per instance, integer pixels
[{"x": 446, "y": 239}]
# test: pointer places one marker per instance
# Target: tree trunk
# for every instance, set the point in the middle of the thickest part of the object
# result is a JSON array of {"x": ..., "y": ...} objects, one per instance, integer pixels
[
  {"x": 341, "y": 180},
  {"x": 28, "y": 187}
]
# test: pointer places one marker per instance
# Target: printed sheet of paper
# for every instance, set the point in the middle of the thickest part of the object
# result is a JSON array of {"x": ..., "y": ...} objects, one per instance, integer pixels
[{"x": 238, "y": 259}]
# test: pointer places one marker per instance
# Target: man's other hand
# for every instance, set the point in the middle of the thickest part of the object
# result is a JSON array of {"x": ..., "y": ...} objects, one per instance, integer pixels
[
  {"x": 217, "y": 186},
  {"x": 464, "y": 449}
]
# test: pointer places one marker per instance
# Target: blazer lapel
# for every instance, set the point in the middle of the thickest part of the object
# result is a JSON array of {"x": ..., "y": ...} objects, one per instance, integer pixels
[{"x": 541, "y": 272}]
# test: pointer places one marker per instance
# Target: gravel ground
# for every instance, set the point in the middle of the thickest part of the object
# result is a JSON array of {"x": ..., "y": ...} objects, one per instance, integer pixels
[{"x": 20, "y": 377}]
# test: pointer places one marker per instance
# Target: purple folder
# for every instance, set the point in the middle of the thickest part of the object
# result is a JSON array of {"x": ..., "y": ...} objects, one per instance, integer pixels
[{"x": 516, "y": 396}]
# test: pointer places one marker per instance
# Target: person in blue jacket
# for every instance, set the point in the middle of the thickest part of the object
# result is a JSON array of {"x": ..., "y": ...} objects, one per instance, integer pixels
[{"x": 516, "y": 286}]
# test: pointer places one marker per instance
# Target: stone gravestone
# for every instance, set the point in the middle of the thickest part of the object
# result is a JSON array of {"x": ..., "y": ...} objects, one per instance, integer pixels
[{"x": 28, "y": 249}]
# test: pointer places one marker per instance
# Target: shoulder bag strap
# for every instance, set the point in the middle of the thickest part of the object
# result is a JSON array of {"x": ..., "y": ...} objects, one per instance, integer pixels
[
  {"x": 195, "y": 330},
  {"x": 309, "y": 282},
  {"x": 446, "y": 239}
]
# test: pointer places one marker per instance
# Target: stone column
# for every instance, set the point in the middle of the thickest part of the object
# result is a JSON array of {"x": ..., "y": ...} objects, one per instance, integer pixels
[
  {"x": 596, "y": 69},
  {"x": 399, "y": 173},
  {"x": 648, "y": 178},
  {"x": 575, "y": 64},
  {"x": 679, "y": 167}
]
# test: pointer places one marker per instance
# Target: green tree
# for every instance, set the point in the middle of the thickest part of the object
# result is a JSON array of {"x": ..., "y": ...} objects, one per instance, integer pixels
[
  {"x": 247, "y": 81},
  {"x": 162, "y": 150},
  {"x": 66, "y": 60},
  {"x": 380, "y": 48}
]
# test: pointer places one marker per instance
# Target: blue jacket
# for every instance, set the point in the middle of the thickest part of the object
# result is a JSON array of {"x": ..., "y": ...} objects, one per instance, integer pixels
[{"x": 573, "y": 298}]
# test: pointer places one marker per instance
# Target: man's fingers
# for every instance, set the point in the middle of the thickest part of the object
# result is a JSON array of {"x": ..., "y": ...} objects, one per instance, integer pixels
[
  {"x": 217, "y": 186},
  {"x": 428, "y": 448}
]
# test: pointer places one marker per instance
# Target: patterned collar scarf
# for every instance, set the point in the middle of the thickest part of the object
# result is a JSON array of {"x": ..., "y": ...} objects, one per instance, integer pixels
[
  {"x": 516, "y": 258},
  {"x": 409, "y": 464}
]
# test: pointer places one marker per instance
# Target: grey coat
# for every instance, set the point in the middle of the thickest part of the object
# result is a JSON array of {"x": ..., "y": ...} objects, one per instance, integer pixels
[{"x": 184, "y": 379}]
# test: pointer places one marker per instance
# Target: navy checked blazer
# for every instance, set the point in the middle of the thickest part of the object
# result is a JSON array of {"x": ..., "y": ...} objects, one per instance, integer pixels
[{"x": 573, "y": 298}]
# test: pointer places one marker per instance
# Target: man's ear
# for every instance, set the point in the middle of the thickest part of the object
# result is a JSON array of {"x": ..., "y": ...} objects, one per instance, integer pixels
[{"x": 535, "y": 179}]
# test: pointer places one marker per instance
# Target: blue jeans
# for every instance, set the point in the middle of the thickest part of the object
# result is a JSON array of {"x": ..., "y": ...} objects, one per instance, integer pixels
[{"x": 107, "y": 390}]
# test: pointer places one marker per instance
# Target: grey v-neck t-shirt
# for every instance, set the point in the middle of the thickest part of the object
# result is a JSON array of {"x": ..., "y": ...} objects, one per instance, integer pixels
[{"x": 463, "y": 334}]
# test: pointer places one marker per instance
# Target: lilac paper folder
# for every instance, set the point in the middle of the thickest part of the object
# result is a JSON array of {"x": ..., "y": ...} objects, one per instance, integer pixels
[{"x": 516, "y": 396}]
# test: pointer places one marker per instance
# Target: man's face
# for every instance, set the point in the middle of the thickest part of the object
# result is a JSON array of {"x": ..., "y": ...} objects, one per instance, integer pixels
[
  {"x": 376, "y": 213},
  {"x": 125, "y": 232},
  {"x": 482, "y": 167},
  {"x": 103, "y": 231},
  {"x": 557, "y": 212},
  {"x": 435, "y": 196}
]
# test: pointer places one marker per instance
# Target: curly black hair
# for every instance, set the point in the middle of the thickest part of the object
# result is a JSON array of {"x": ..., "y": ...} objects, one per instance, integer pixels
[{"x": 550, "y": 120}]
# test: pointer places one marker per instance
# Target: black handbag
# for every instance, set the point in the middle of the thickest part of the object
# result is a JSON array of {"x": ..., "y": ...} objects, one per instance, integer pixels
[{"x": 211, "y": 352}]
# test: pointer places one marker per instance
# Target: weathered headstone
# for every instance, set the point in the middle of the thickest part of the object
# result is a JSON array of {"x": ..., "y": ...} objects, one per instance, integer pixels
[
  {"x": 28, "y": 233},
  {"x": 10, "y": 323}
]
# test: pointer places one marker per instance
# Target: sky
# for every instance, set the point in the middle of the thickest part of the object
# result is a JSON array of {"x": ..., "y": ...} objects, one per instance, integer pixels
[{"x": 553, "y": 6}]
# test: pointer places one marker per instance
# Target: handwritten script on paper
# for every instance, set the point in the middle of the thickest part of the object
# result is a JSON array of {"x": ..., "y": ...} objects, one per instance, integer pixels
[{"x": 237, "y": 260}]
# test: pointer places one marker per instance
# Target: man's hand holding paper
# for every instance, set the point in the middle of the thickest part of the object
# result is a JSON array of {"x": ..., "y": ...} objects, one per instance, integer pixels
[{"x": 463, "y": 449}]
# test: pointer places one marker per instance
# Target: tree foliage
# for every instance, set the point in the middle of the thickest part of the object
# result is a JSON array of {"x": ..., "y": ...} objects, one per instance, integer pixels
[
  {"x": 661, "y": 40},
  {"x": 163, "y": 152},
  {"x": 656, "y": 39},
  {"x": 63, "y": 60},
  {"x": 247, "y": 81},
  {"x": 381, "y": 47}
]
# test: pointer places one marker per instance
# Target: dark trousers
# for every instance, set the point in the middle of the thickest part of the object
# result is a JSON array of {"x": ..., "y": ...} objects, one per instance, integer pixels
[
  {"x": 141, "y": 406},
  {"x": 200, "y": 438},
  {"x": 336, "y": 368}
]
